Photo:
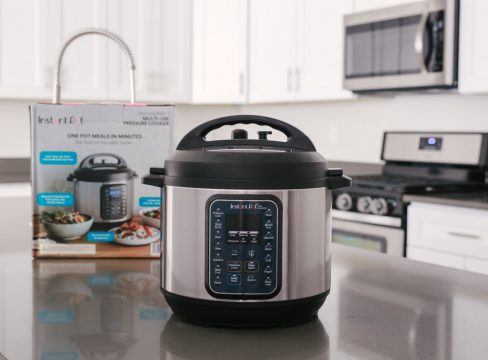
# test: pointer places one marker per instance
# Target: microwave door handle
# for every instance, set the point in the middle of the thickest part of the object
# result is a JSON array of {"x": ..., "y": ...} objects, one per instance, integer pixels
[{"x": 419, "y": 41}]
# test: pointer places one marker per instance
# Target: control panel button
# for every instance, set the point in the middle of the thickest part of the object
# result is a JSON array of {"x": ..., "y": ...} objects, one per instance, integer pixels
[
  {"x": 234, "y": 253},
  {"x": 251, "y": 279},
  {"x": 234, "y": 266},
  {"x": 218, "y": 269},
  {"x": 217, "y": 280},
  {"x": 268, "y": 270},
  {"x": 251, "y": 253},
  {"x": 268, "y": 281},
  {"x": 268, "y": 247},
  {"x": 251, "y": 266},
  {"x": 268, "y": 258},
  {"x": 217, "y": 258},
  {"x": 234, "y": 279},
  {"x": 218, "y": 246}
]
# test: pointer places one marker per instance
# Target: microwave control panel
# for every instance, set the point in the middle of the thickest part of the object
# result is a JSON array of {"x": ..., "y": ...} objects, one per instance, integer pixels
[
  {"x": 113, "y": 201},
  {"x": 244, "y": 246}
]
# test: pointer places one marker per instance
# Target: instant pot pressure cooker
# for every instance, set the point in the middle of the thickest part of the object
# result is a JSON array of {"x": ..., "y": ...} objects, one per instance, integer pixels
[
  {"x": 246, "y": 226},
  {"x": 104, "y": 188}
]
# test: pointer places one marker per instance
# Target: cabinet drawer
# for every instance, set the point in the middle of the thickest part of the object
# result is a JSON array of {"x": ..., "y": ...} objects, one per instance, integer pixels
[
  {"x": 476, "y": 265},
  {"x": 436, "y": 258},
  {"x": 448, "y": 229}
]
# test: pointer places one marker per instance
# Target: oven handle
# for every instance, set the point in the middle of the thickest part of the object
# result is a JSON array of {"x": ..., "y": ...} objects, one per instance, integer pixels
[{"x": 419, "y": 41}]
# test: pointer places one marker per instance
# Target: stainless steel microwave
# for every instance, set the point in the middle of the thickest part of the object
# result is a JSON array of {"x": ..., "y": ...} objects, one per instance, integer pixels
[{"x": 406, "y": 47}]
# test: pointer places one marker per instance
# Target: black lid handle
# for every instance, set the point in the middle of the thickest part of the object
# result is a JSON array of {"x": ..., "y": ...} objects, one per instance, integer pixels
[
  {"x": 89, "y": 161},
  {"x": 195, "y": 139}
]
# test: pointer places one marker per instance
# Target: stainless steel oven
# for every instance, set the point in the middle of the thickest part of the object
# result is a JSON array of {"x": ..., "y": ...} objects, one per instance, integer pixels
[
  {"x": 370, "y": 232},
  {"x": 405, "y": 47}
]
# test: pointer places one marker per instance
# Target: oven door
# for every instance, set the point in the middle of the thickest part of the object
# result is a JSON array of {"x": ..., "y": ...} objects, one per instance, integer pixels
[
  {"x": 407, "y": 46},
  {"x": 377, "y": 238}
]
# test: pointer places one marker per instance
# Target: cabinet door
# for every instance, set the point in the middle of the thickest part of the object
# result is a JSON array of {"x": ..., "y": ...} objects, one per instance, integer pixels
[
  {"x": 158, "y": 32},
  {"x": 473, "y": 48},
  {"x": 272, "y": 50},
  {"x": 219, "y": 51},
  {"x": 20, "y": 70},
  {"x": 83, "y": 71},
  {"x": 320, "y": 54}
]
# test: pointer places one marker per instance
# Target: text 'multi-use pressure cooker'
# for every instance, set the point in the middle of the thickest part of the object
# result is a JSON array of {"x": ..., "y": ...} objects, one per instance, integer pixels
[
  {"x": 246, "y": 226},
  {"x": 104, "y": 188}
]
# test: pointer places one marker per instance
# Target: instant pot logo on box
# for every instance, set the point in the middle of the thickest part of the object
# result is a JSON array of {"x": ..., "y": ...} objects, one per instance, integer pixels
[
  {"x": 244, "y": 206},
  {"x": 64, "y": 120}
]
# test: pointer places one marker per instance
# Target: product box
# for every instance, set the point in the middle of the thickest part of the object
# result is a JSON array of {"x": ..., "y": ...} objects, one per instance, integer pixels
[{"x": 87, "y": 164}]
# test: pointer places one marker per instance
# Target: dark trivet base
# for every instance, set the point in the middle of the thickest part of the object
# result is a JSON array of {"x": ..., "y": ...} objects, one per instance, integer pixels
[{"x": 248, "y": 314}]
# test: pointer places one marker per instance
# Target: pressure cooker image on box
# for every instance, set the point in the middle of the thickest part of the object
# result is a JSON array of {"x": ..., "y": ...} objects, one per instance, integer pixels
[
  {"x": 246, "y": 226},
  {"x": 104, "y": 188}
]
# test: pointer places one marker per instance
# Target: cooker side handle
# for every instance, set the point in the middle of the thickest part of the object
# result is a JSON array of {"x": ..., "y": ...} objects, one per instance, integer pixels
[
  {"x": 336, "y": 179},
  {"x": 155, "y": 177}
]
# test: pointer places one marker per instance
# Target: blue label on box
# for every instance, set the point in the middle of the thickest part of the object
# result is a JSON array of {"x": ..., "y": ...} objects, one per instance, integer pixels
[
  {"x": 56, "y": 317},
  {"x": 150, "y": 201},
  {"x": 55, "y": 199},
  {"x": 59, "y": 355},
  {"x": 58, "y": 158},
  {"x": 98, "y": 280},
  {"x": 152, "y": 314},
  {"x": 100, "y": 236}
]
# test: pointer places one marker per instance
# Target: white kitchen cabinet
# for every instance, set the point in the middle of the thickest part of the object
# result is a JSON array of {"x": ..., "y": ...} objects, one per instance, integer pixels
[
  {"x": 20, "y": 69},
  {"x": 272, "y": 39},
  {"x": 473, "y": 47},
  {"x": 219, "y": 53},
  {"x": 158, "y": 34},
  {"x": 296, "y": 50},
  {"x": 186, "y": 51},
  {"x": 448, "y": 235},
  {"x": 83, "y": 71},
  {"x": 320, "y": 50},
  {"x": 365, "y": 5}
]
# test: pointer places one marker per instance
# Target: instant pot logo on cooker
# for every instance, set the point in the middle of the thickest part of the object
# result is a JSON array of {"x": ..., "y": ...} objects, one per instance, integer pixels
[
  {"x": 64, "y": 120},
  {"x": 243, "y": 206}
]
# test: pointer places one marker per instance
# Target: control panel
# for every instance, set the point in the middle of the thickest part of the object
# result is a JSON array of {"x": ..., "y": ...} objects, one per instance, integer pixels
[
  {"x": 113, "y": 201},
  {"x": 244, "y": 246}
]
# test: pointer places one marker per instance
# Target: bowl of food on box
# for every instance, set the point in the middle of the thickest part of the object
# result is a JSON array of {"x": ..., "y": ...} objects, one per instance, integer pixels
[
  {"x": 152, "y": 217},
  {"x": 133, "y": 233},
  {"x": 66, "y": 225}
]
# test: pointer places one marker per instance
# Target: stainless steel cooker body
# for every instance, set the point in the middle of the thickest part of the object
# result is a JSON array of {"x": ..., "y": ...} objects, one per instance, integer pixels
[
  {"x": 246, "y": 226},
  {"x": 305, "y": 241},
  {"x": 89, "y": 197}
]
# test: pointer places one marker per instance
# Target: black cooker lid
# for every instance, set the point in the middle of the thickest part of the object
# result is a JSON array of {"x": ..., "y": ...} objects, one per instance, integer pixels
[
  {"x": 102, "y": 167},
  {"x": 242, "y": 163}
]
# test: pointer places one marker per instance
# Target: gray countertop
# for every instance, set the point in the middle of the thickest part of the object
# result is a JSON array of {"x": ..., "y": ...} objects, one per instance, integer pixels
[{"x": 379, "y": 307}]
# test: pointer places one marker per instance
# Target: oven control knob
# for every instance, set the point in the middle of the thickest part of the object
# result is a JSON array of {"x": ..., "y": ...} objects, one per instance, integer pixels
[
  {"x": 344, "y": 202},
  {"x": 379, "y": 206},
  {"x": 364, "y": 204}
]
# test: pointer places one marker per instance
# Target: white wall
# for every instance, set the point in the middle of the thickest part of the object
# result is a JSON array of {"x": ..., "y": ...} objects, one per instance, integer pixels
[{"x": 348, "y": 130}]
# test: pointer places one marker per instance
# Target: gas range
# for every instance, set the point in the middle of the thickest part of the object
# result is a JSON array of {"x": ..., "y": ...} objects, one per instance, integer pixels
[
  {"x": 415, "y": 166},
  {"x": 415, "y": 163}
]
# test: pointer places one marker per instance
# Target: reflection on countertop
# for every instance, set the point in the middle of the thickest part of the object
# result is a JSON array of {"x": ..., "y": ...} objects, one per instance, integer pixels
[{"x": 379, "y": 307}]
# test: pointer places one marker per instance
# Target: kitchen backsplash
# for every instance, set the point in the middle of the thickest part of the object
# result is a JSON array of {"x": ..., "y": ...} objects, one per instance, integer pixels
[{"x": 347, "y": 130}]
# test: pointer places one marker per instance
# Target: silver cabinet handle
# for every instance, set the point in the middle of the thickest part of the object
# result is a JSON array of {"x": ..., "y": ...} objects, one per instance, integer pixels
[
  {"x": 464, "y": 235},
  {"x": 290, "y": 75},
  {"x": 419, "y": 41},
  {"x": 297, "y": 78},
  {"x": 241, "y": 83}
]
